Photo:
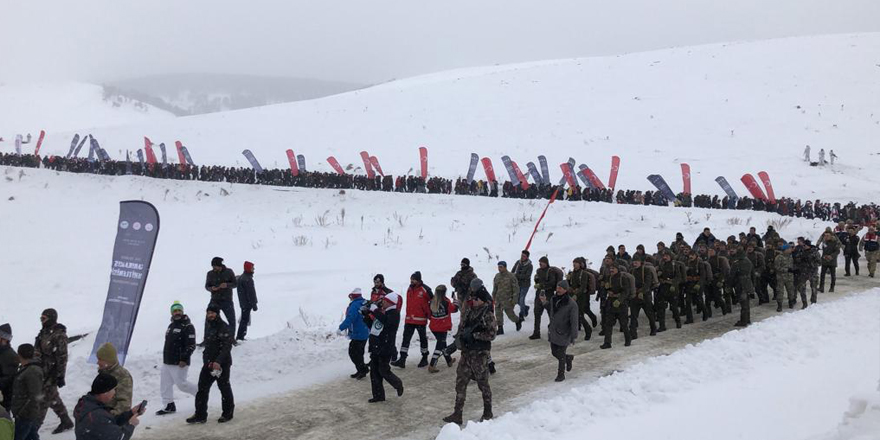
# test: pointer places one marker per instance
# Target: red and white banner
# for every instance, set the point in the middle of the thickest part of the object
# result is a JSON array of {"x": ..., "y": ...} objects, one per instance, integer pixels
[
  {"x": 487, "y": 167},
  {"x": 335, "y": 164},
  {"x": 180, "y": 155},
  {"x": 752, "y": 185},
  {"x": 294, "y": 169},
  {"x": 39, "y": 143},
  {"x": 594, "y": 179},
  {"x": 765, "y": 178},
  {"x": 367, "y": 167},
  {"x": 148, "y": 148},
  {"x": 686, "y": 177},
  {"x": 523, "y": 180},
  {"x": 566, "y": 171},
  {"x": 423, "y": 158},
  {"x": 615, "y": 168},
  {"x": 374, "y": 161}
]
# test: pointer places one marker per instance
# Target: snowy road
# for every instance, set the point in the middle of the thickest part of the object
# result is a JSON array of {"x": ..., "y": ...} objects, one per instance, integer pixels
[{"x": 339, "y": 410}]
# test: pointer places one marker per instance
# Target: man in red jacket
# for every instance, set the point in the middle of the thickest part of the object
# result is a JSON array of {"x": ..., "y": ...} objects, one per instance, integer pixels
[{"x": 418, "y": 309}]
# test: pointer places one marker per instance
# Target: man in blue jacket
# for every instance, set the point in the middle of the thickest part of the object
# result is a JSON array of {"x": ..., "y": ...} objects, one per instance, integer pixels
[{"x": 358, "y": 332}]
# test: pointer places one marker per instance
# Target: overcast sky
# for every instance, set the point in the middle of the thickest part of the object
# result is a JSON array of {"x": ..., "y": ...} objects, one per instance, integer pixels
[{"x": 370, "y": 41}]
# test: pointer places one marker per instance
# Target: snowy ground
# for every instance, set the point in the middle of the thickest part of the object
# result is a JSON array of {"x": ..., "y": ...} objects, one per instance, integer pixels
[
  {"x": 788, "y": 377},
  {"x": 65, "y": 226},
  {"x": 726, "y": 109}
]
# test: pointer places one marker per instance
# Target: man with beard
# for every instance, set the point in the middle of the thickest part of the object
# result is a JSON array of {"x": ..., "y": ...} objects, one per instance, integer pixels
[
  {"x": 582, "y": 284},
  {"x": 522, "y": 269},
  {"x": 546, "y": 278},
  {"x": 219, "y": 281},
  {"x": 563, "y": 328},
  {"x": 619, "y": 290},
  {"x": 217, "y": 359},
  {"x": 180, "y": 343},
  {"x": 461, "y": 283}
]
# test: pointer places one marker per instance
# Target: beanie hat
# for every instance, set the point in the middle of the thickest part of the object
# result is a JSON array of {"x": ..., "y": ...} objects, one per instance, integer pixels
[
  {"x": 213, "y": 307},
  {"x": 465, "y": 261},
  {"x": 563, "y": 284},
  {"x": 107, "y": 353},
  {"x": 6, "y": 332},
  {"x": 502, "y": 263},
  {"x": 248, "y": 266},
  {"x": 379, "y": 277},
  {"x": 476, "y": 284},
  {"x": 102, "y": 384},
  {"x": 216, "y": 261},
  {"x": 544, "y": 260},
  {"x": 416, "y": 276},
  {"x": 176, "y": 306},
  {"x": 356, "y": 293}
]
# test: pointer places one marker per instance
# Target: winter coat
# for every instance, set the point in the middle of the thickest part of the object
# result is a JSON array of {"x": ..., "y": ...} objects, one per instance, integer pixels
[
  {"x": 582, "y": 284},
  {"x": 461, "y": 282},
  {"x": 505, "y": 288},
  {"x": 784, "y": 266},
  {"x": 645, "y": 281},
  {"x": 697, "y": 273},
  {"x": 477, "y": 329},
  {"x": 354, "y": 323},
  {"x": 27, "y": 392},
  {"x": 720, "y": 270},
  {"x": 94, "y": 421},
  {"x": 870, "y": 242},
  {"x": 218, "y": 343},
  {"x": 808, "y": 262},
  {"x": 51, "y": 349},
  {"x": 523, "y": 272},
  {"x": 247, "y": 294},
  {"x": 441, "y": 320},
  {"x": 384, "y": 332},
  {"x": 180, "y": 341},
  {"x": 620, "y": 289},
  {"x": 547, "y": 278},
  {"x": 830, "y": 251},
  {"x": 757, "y": 259},
  {"x": 563, "y": 327},
  {"x": 121, "y": 402},
  {"x": 741, "y": 274},
  {"x": 215, "y": 279},
  {"x": 851, "y": 248},
  {"x": 8, "y": 368},
  {"x": 418, "y": 305}
]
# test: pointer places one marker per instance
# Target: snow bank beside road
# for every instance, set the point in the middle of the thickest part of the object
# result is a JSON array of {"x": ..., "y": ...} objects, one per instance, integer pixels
[{"x": 784, "y": 378}]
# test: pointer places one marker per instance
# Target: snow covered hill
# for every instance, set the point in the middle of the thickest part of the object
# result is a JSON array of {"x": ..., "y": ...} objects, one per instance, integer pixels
[
  {"x": 61, "y": 107},
  {"x": 725, "y": 109}
]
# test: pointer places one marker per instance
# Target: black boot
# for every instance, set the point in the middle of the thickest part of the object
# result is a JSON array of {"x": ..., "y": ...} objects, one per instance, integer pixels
[
  {"x": 401, "y": 361},
  {"x": 605, "y": 346},
  {"x": 634, "y": 333},
  {"x": 491, "y": 367},
  {"x": 196, "y": 419},
  {"x": 487, "y": 413},
  {"x": 65, "y": 425},
  {"x": 535, "y": 335},
  {"x": 424, "y": 362},
  {"x": 500, "y": 330},
  {"x": 568, "y": 360},
  {"x": 224, "y": 419},
  {"x": 169, "y": 409},
  {"x": 560, "y": 376},
  {"x": 519, "y": 324},
  {"x": 779, "y": 307}
]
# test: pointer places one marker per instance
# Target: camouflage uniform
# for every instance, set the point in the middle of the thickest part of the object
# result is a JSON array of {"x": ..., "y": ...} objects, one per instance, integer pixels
[
  {"x": 121, "y": 402},
  {"x": 479, "y": 323},
  {"x": 505, "y": 292},
  {"x": 784, "y": 266},
  {"x": 51, "y": 350},
  {"x": 808, "y": 270},
  {"x": 645, "y": 283}
]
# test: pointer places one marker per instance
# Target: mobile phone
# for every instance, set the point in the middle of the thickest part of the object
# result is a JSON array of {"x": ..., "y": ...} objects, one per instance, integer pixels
[{"x": 142, "y": 408}]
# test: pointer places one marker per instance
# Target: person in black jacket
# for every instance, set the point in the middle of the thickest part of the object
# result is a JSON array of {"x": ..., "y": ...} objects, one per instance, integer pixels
[
  {"x": 217, "y": 359},
  {"x": 93, "y": 418},
  {"x": 8, "y": 365},
  {"x": 383, "y": 320},
  {"x": 220, "y": 281},
  {"x": 180, "y": 343},
  {"x": 247, "y": 299}
]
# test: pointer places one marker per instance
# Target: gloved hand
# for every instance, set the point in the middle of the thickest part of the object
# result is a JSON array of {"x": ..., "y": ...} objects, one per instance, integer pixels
[
  {"x": 60, "y": 382},
  {"x": 673, "y": 289},
  {"x": 255, "y": 307},
  {"x": 697, "y": 287},
  {"x": 616, "y": 303}
]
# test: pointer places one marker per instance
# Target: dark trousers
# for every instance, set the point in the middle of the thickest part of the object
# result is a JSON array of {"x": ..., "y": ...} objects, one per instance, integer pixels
[
  {"x": 440, "y": 348},
  {"x": 380, "y": 369},
  {"x": 539, "y": 310},
  {"x": 206, "y": 380},
  {"x": 228, "y": 309},
  {"x": 559, "y": 352},
  {"x": 408, "y": 330},
  {"x": 854, "y": 259},
  {"x": 665, "y": 297},
  {"x": 26, "y": 430},
  {"x": 745, "y": 309},
  {"x": 693, "y": 296},
  {"x": 635, "y": 306},
  {"x": 615, "y": 315},
  {"x": 831, "y": 270},
  {"x": 356, "y": 354},
  {"x": 244, "y": 323}
]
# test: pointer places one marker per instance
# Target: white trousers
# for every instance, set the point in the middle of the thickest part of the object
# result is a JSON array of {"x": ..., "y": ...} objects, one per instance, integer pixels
[{"x": 174, "y": 375}]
